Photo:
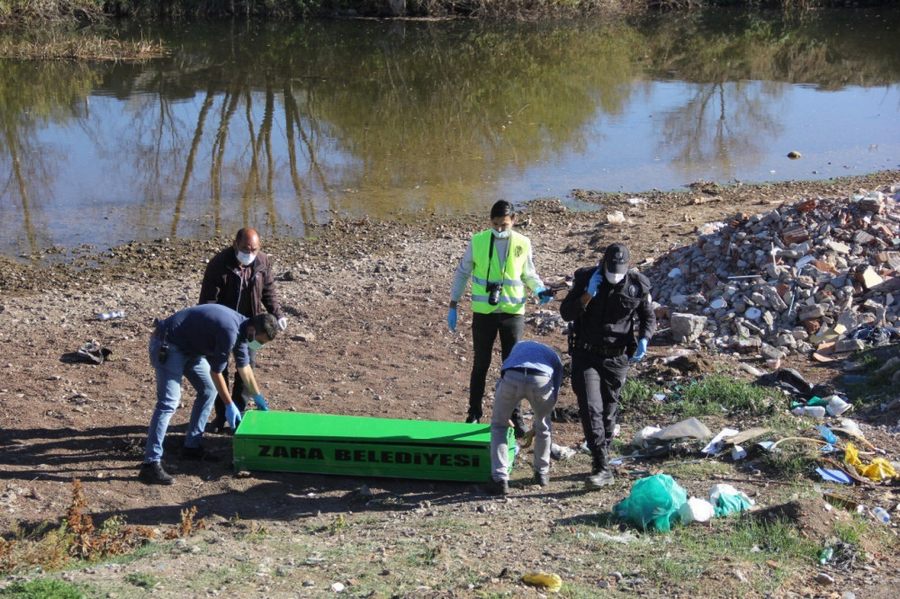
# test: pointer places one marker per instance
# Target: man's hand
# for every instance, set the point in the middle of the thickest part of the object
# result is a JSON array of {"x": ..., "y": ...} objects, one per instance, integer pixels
[
  {"x": 451, "y": 319},
  {"x": 641, "y": 351},
  {"x": 282, "y": 323},
  {"x": 544, "y": 294},
  {"x": 594, "y": 282},
  {"x": 233, "y": 416},
  {"x": 260, "y": 402}
]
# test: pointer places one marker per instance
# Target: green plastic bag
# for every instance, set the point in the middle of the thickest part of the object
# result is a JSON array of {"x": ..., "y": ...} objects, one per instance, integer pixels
[{"x": 654, "y": 501}]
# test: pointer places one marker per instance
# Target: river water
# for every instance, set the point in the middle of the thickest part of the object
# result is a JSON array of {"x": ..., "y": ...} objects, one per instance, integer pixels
[{"x": 280, "y": 126}]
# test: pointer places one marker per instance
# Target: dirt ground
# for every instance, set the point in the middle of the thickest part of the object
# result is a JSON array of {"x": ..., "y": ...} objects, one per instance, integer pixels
[{"x": 366, "y": 303}]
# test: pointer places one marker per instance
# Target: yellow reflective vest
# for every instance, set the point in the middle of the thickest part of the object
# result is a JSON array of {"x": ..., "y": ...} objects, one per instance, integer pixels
[{"x": 484, "y": 271}]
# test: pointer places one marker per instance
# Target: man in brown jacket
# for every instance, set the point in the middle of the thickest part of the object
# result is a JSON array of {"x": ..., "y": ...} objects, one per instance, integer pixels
[{"x": 241, "y": 278}]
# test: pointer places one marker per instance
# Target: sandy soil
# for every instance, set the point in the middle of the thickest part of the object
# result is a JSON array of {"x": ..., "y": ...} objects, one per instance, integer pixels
[{"x": 367, "y": 336}]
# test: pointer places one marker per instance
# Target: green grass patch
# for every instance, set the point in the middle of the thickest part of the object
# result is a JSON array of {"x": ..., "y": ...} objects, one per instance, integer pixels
[
  {"x": 696, "y": 469},
  {"x": 142, "y": 580},
  {"x": 718, "y": 393},
  {"x": 44, "y": 588},
  {"x": 791, "y": 461}
]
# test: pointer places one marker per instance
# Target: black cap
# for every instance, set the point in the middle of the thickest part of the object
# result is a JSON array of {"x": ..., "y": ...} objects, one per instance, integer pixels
[
  {"x": 615, "y": 258},
  {"x": 501, "y": 208}
]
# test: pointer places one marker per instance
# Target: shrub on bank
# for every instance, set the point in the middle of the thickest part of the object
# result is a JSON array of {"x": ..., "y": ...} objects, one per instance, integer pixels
[{"x": 24, "y": 12}]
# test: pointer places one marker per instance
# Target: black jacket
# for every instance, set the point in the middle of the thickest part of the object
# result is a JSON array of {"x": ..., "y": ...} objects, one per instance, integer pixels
[
  {"x": 609, "y": 320},
  {"x": 222, "y": 284}
]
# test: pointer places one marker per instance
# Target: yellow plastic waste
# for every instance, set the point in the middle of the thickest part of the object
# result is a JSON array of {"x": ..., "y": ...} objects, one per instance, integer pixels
[
  {"x": 542, "y": 580},
  {"x": 878, "y": 470}
]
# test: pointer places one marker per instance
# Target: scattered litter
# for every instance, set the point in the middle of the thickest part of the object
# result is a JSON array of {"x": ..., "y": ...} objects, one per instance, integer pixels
[
  {"x": 642, "y": 436},
  {"x": 90, "y": 352},
  {"x": 717, "y": 444},
  {"x": 766, "y": 445},
  {"x": 696, "y": 510},
  {"x": 836, "y": 406},
  {"x": 689, "y": 428},
  {"x": 826, "y": 434},
  {"x": 660, "y": 397},
  {"x": 881, "y": 514},
  {"x": 738, "y": 453},
  {"x": 559, "y": 452},
  {"x": 653, "y": 501},
  {"x": 635, "y": 201},
  {"x": 542, "y": 580},
  {"x": 615, "y": 218},
  {"x": 728, "y": 500},
  {"x": 110, "y": 315},
  {"x": 878, "y": 470},
  {"x": 817, "y": 412},
  {"x": 833, "y": 475}
]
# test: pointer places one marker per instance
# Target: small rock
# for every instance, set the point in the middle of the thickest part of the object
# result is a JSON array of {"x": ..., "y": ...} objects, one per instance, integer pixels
[
  {"x": 794, "y": 155},
  {"x": 338, "y": 587},
  {"x": 823, "y": 578}
]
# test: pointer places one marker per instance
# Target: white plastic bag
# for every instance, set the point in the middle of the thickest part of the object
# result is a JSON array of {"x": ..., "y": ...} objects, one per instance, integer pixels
[{"x": 696, "y": 510}]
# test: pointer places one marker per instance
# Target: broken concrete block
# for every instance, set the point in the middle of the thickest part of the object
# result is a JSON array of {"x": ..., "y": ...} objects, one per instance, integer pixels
[
  {"x": 837, "y": 247},
  {"x": 869, "y": 278},
  {"x": 811, "y": 312},
  {"x": 686, "y": 327},
  {"x": 848, "y": 345}
]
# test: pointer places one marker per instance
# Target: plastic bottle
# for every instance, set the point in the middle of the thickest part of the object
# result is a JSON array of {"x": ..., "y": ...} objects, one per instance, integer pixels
[
  {"x": 825, "y": 555},
  {"x": 110, "y": 315},
  {"x": 811, "y": 411},
  {"x": 881, "y": 515}
]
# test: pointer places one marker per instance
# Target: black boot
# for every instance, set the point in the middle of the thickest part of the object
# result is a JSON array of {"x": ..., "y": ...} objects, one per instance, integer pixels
[{"x": 601, "y": 475}]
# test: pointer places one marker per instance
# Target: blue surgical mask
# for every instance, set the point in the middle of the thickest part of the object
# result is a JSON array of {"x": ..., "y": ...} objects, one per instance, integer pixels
[
  {"x": 500, "y": 234},
  {"x": 246, "y": 258},
  {"x": 254, "y": 345}
]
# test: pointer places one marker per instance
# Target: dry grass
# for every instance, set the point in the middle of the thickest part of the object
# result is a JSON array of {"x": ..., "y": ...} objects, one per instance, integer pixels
[
  {"x": 68, "y": 46},
  {"x": 77, "y": 538}
]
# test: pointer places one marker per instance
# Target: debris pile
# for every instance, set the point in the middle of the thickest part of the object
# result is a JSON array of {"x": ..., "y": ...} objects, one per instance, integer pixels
[{"x": 820, "y": 275}]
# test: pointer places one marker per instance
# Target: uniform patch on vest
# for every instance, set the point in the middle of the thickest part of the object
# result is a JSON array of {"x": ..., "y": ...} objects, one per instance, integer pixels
[
  {"x": 633, "y": 291},
  {"x": 518, "y": 251}
]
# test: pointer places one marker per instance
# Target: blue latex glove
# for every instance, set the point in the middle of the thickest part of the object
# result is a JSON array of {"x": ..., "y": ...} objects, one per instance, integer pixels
[
  {"x": 260, "y": 402},
  {"x": 641, "y": 351},
  {"x": 451, "y": 319},
  {"x": 594, "y": 282},
  {"x": 233, "y": 416},
  {"x": 543, "y": 294}
]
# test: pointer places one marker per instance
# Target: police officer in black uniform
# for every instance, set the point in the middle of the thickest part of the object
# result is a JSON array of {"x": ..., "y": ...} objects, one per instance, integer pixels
[{"x": 602, "y": 307}]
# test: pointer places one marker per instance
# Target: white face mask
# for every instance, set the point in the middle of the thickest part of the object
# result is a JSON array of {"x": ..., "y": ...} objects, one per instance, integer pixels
[
  {"x": 612, "y": 277},
  {"x": 246, "y": 258},
  {"x": 500, "y": 234},
  {"x": 254, "y": 345}
]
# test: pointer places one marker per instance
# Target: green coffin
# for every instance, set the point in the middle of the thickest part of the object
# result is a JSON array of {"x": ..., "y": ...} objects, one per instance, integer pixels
[{"x": 361, "y": 446}]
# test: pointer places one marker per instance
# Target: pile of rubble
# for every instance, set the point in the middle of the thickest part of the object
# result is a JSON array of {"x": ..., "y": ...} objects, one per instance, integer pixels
[{"x": 820, "y": 275}]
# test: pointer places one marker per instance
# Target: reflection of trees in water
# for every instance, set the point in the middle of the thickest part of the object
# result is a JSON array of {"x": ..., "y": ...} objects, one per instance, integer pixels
[
  {"x": 29, "y": 95},
  {"x": 412, "y": 115},
  {"x": 719, "y": 121}
]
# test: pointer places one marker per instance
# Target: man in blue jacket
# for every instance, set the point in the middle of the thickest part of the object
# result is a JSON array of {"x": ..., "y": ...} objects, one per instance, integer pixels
[
  {"x": 195, "y": 343},
  {"x": 532, "y": 371}
]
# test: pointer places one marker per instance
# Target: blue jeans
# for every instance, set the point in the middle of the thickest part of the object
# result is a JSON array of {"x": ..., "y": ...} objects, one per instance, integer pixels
[{"x": 168, "y": 396}]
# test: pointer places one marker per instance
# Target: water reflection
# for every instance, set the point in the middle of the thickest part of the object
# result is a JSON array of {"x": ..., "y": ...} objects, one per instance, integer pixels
[{"x": 281, "y": 126}]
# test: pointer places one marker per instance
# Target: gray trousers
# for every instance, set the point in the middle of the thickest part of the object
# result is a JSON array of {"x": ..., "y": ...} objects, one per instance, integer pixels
[{"x": 513, "y": 387}]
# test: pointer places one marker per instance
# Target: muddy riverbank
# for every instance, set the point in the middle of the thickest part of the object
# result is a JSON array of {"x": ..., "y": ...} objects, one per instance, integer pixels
[{"x": 366, "y": 302}]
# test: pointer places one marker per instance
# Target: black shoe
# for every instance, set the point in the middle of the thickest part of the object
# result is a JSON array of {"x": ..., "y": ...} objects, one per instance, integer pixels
[
  {"x": 153, "y": 474},
  {"x": 473, "y": 418},
  {"x": 541, "y": 479},
  {"x": 198, "y": 454},
  {"x": 498, "y": 487},
  {"x": 217, "y": 426},
  {"x": 519, "y": 430},
  {"x": 599, "y": 479}
]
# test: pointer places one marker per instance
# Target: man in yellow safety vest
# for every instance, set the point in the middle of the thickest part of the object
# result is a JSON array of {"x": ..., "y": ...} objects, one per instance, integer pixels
[{"x": 500, "y": 264}]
